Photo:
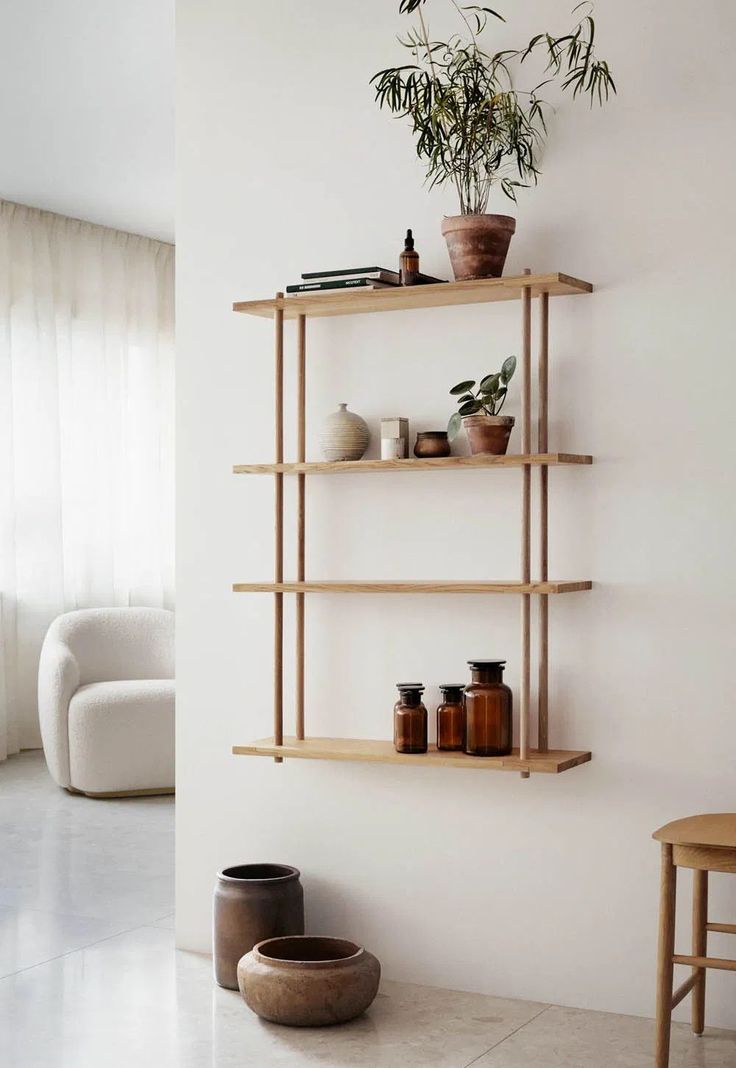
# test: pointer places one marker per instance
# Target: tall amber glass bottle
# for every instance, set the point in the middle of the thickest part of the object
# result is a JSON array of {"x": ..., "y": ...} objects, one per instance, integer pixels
[
  {"x": 451, "y": 717},
  {"x": 488, "y": 707},
  {"x": 410, "y": 719}
]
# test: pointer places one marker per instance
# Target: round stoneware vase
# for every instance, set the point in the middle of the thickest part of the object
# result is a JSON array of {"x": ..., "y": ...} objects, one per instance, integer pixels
[
  {"x": 478, "y": 244},
  {"x": 488, "y": 433},
  {"x": 253, "y": 902},
  {"x": 312, "y": 981},
  {"x": 344, "y": 436}
]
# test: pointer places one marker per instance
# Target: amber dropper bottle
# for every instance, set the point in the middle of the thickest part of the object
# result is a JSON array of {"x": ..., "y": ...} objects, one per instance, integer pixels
[{"x": 409, "y": 262}]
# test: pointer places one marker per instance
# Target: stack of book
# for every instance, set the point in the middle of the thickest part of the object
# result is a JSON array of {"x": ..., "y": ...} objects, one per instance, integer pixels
[{"x": 352, "y": 278}]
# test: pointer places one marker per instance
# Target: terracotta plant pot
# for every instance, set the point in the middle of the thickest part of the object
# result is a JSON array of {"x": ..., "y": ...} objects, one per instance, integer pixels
[
  {"x": 253, "y": 902},
  {"x": 478, "y": 244},
  {"x": 488, "y": 433},
  {"x": 310, "y": 981}
]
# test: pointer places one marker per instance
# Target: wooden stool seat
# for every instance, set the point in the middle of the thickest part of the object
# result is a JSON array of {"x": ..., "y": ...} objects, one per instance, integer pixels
[
  {"x": 702, "y": 843},
  {"x": 717, "y": 829}
]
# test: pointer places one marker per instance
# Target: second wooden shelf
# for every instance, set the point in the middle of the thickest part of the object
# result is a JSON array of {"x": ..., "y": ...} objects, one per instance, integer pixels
[{"x": 435, "y": 463}]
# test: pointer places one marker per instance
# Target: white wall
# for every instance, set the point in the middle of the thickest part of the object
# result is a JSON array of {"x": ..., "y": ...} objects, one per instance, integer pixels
[
  {"x": 545, "y": 888},
  {"x": 87, "y": 111}
]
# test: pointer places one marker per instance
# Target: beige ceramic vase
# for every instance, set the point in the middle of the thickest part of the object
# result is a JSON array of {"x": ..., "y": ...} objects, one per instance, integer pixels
[
  {"x": 345, "y": 435},
  {"x": 311, "y": 981}
]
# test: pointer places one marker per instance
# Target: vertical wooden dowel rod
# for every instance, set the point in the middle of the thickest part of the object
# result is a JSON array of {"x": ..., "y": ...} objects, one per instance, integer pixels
[
  {"x": 526, "y": 443},
  {"x": 543, "y": 446},
  {"x": 301, "y": 519},
  {"x": 278, "y": 630},
  {"x": 665, "y": 949},
  {"x": 700, "y": 947},
  {"x": 525, "y": 679}
]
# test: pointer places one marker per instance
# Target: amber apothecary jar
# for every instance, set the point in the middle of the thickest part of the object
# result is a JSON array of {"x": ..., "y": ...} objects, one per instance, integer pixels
[
  {"x": 488, "y": 706},
  {"x": 410, "y": 719},
  {"x": 451, "y": 717}
]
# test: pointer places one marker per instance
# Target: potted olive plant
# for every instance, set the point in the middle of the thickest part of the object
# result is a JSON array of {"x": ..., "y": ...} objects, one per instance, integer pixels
[
  {"x": 479, "y": 412},
  {"x": 474, "y": 128}
]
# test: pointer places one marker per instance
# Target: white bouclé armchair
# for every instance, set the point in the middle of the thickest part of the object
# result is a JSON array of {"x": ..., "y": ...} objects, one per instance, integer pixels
[{"x": 106, "y": 701}]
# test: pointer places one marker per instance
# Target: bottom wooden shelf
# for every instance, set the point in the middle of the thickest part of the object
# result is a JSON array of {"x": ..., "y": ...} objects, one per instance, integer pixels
[{"x": 551, "y": 762}]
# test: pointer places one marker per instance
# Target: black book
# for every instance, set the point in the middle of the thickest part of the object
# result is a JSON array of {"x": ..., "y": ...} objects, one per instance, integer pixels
[
  {"x": 428, "y": 280},
  {"x": 339, "y": 283},
  {"x": 381, "y": 274}
]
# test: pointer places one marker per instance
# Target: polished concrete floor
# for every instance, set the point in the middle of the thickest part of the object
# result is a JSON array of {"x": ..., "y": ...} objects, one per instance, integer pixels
[{"x": 90, "y": 978}]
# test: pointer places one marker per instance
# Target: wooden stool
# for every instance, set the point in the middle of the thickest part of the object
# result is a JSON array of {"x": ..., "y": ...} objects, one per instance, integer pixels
[{"x": 703, "y": 843}]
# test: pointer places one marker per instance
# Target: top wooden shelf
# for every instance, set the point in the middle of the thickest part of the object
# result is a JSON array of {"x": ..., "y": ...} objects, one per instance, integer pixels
[{"x": 356, "y": 301}]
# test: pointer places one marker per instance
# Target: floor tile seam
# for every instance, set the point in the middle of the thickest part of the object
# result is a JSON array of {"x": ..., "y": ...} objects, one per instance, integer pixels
[
  {"x": 501, "y": 1041},
  {"x": 87, "y": 916},
  {"x": 71, "y": 952},
  {"x": 74, "y": 915}
]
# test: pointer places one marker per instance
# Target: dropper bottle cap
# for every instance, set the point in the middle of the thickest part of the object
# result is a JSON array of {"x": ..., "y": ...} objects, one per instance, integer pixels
[{"x": 408, "y": 242}]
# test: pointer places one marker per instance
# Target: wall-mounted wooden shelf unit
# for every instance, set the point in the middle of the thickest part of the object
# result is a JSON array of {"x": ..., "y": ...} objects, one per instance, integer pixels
[
  {"x": 524, "y": 287},
  {"x": 551, "y": 763}
]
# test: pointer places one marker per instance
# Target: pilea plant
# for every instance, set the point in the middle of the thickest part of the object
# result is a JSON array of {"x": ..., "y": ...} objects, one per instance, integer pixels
[
  {"x": 489, "y": 397},
  {"x": 473, "y": 126}
]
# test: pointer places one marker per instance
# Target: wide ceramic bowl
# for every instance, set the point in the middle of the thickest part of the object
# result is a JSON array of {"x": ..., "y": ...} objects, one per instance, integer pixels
[{"x": 308, "y": 980}]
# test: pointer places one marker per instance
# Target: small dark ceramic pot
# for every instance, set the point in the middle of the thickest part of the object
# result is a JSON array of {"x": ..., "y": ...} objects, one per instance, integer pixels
[
  {"x": 253, "y": 902},
  {"x": 432, "y": 443},
  {"x": 311, "y": 981}
]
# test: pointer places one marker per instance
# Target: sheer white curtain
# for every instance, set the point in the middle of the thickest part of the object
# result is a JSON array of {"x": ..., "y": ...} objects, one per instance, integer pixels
[{"x": 86, "y": 434}]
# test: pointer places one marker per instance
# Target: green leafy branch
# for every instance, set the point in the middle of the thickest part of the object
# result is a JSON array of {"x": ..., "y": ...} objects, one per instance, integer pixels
[{"x": 471, "y": 125}]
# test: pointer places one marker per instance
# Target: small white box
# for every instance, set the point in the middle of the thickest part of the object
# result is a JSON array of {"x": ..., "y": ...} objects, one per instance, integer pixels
[
  {"x": 393, "y": 449},
  {"x": 393, "y": 428}
]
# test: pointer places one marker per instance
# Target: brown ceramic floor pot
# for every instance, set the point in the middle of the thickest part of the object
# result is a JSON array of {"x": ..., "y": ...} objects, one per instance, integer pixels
[
  {"x": 488, "y": 433},
  {"x": 253, "y": 902},
  {"x": 310, "y": 981},
  {"x": 478, "y": 244}
]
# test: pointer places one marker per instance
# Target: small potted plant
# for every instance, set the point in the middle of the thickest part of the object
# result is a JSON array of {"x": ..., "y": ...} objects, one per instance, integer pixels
[
  {"x": 474, "y": 128},
  {"x": 478, "y": 411}
]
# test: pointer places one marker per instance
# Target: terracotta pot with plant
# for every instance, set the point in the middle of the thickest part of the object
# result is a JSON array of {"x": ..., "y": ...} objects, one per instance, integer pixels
[
  {"x": 479, "y": 412},
  {"x": 473, "y": 128}
]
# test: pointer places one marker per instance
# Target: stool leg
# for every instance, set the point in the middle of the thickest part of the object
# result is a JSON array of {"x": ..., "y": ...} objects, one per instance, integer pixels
[
  {"x": 700, "y": 942},
  {"x": 665, "y": 966}
]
